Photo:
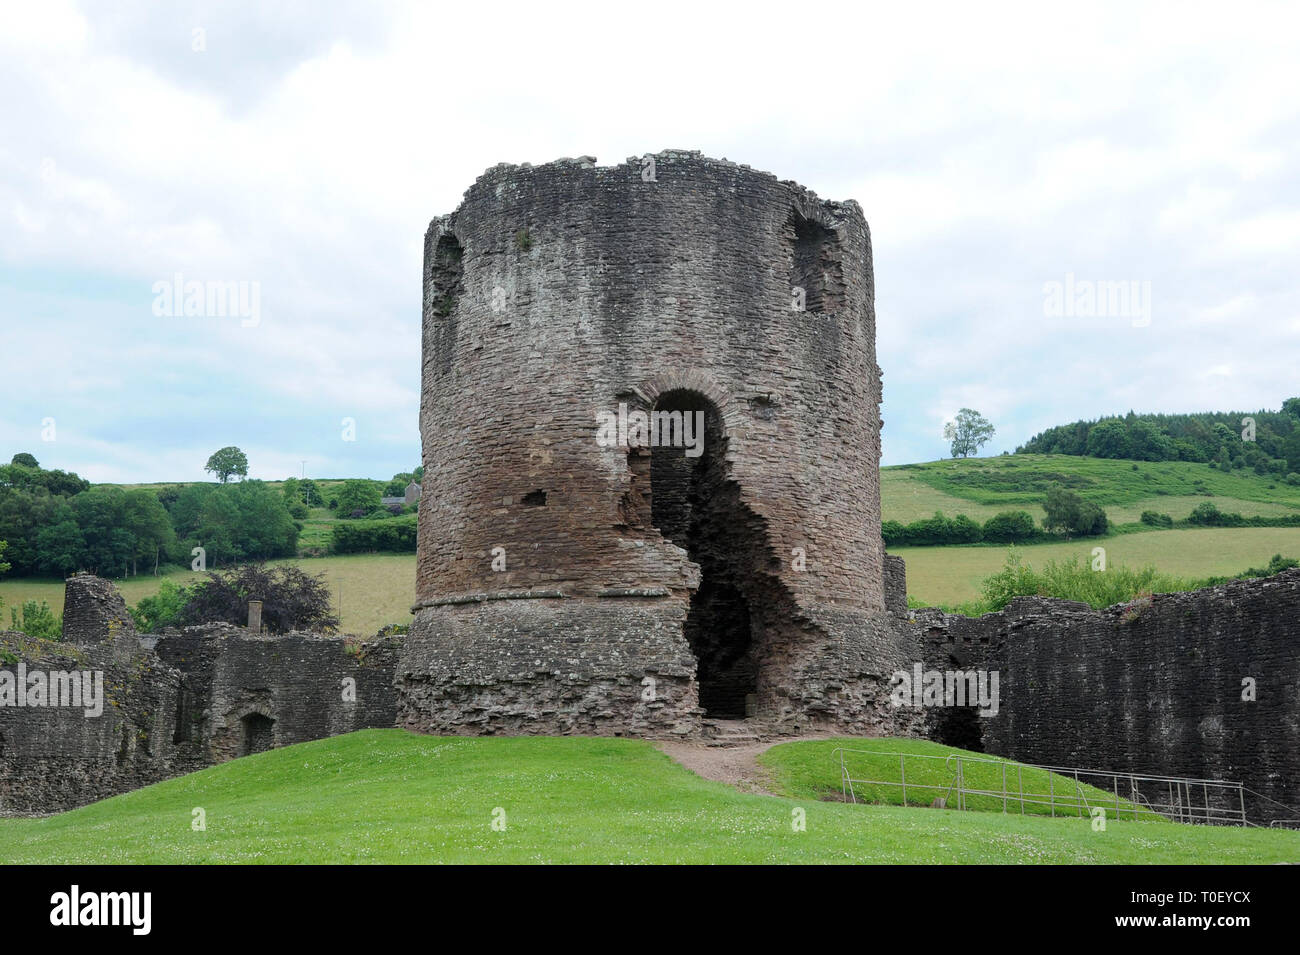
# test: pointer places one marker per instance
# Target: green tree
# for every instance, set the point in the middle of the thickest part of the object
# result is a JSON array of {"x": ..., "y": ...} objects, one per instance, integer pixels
[
  {"x": 101, "y": 517},
  {"x": 311, "y": 495},
  {"x": 1149, "y": 443},
  {"x": 60, "y": 549},
  {"x": 1067, "y": 511},
  {"x": 397, "y": 486},
  {"x": 358, "y": 495},
  {"x": 37, "y": 620},
  {"x": 4, "y": 568},
  {"x": 164, "y": 609},
  {"x": 25, "y": 459},
  {"x": 226, "y": 463},
  {"x": 244, "y": 521},
  {"x": 1008, "y": 527},
  {"x": 292, "y": 492},
  {"x": 1206, "y": 515},
  {"x": 1291, "y": 450},
  {"x": 1110, "y": 439},
  {"x": 1291, "y": 407},
  {"x": 968, "y": 432},
  {"x": 24, "y": 513},
  {"x": 1091, "y": 520},
  {"x": 150, "y": 527}
]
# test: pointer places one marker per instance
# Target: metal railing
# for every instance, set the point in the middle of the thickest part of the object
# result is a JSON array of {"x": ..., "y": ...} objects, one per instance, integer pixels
[
  {"x": 1279, "y": 814},
  {"x": 989, "y": 783}
]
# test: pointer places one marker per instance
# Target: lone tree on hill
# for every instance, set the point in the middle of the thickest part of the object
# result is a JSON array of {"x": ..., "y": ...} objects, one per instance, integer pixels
[
  {"x": 226, "y": 462},
  {"x": 967, "y": 432}
]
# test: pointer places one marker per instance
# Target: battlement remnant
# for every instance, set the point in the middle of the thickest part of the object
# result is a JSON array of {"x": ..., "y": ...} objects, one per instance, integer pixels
[{"x": 93, "y": 610}]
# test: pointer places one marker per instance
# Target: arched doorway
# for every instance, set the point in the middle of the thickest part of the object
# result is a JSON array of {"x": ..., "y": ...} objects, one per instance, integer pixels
[{"x": 693, "y": 504}]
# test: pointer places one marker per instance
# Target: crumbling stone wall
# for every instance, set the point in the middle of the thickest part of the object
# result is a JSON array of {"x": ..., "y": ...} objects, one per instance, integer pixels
[
  {"x": 56, "y": 758},
  {"x": 559, "y": 292},
  {"x": 614, "y": 668},
  {"x": 177, "y": 702},
  {"x": 1155, "y": 686},
  {"x": 895, "y": 584},
  {"x": 93, "y": 610},
  {"x": 298, "y": 681}
]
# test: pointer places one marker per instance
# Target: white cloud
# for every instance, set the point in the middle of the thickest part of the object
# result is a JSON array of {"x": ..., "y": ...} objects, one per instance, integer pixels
[{"x": 307, "y": 147}]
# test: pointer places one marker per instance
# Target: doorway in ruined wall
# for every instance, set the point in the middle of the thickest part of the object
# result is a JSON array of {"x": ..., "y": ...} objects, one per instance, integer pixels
[
  {"x": 256, "y": 734},
  {"x": 694, "y": 505}
]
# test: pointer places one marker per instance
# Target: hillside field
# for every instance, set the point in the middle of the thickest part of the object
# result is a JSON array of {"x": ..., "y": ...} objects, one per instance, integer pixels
[
  {"x": 378, "y": 589},
  {"x": 388, "y": 796},
  {"x": 981, "y": 487}
]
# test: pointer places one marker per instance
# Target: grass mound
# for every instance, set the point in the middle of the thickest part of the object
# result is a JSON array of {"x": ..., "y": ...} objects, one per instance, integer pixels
[
  {"x": 392, "y": 797},
  {"x": 812, "y": 769}
]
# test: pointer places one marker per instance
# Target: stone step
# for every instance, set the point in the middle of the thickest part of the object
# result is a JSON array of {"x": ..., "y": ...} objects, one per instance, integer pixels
[{"x": 722, "y": 732}]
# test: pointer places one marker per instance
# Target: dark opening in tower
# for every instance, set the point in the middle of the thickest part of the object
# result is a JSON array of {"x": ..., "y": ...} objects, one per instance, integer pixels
[
  {"x": 256, "y": 734},
  {"x": 443, "y": 286},
  {"x": 816, "y": 273},
  {"x": 694, "y": 505}
]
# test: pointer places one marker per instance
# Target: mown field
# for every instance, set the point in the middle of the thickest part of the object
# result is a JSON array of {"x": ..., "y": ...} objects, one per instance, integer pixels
[
  {"x": 388, "y": 796},
  {"x": 372, "y": 589},
  {"x": 378, "y": 589},
  {"x": 948, "y": 576}
]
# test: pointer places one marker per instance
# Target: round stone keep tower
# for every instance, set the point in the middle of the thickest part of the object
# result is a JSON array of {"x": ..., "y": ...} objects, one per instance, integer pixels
[{"x": 650, "y": 415}]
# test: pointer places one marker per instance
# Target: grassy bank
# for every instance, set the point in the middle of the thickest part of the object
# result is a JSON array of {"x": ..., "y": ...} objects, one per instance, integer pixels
[
  {"x": 981, "y": 487},
  {"x": 390, "y": 796}
]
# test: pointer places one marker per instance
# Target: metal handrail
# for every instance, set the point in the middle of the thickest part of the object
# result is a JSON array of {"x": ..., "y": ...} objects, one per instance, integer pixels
[{"x": 1184, "y": 808}]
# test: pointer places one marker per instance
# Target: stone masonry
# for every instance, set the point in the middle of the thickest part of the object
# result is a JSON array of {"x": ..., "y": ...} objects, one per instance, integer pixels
[
  {"x": 567, "y": 584},
  {"x": 575, "y": 578},
  {"x": 176, "y": 702},
  {"x": 1203, "y": 684}
]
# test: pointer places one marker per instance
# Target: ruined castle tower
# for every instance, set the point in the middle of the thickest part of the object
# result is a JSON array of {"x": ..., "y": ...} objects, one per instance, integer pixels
[{"x": 577, "y": 574}]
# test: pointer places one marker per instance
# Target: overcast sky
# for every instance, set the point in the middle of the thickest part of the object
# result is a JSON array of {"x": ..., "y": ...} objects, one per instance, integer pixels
[{"x": 305, "y": 146}]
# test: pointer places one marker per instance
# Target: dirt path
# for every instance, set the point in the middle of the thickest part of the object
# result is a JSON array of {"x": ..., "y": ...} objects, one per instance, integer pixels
[{"x": 735, "y": 765}]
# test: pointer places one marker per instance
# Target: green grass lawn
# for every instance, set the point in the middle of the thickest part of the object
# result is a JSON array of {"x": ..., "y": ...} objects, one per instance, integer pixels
[
  {"x": 812, "y": 769},
  {"x": 375, "y": 589},
  {"x": 981, "y": 487},
  {"x": 948, "y": 576},
  {"x": 391, "y": 796}
]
